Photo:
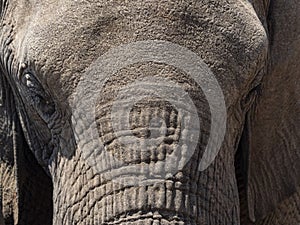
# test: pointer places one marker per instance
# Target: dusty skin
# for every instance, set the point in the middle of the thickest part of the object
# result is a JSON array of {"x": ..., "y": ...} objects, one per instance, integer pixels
[{"x": 152, "y": 118}]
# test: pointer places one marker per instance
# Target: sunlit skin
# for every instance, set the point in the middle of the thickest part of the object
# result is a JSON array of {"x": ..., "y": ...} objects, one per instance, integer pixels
[{"x": 47, "y": 48}]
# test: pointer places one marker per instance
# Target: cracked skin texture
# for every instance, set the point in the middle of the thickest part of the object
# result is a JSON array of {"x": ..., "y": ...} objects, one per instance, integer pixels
[{"x": 58, "y": 40}]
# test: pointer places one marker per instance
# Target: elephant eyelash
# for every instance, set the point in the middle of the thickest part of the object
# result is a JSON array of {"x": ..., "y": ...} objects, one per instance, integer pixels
[
  {"x": 27, "y": 77},
  {"x": 36, "y": 96},
  {"x": 31, "y": 84},
  {"x": 27, "y": 80}
]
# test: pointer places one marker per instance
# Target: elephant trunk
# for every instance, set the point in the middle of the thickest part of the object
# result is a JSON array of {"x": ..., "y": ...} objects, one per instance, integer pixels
[{"x": 142, "y": 168}]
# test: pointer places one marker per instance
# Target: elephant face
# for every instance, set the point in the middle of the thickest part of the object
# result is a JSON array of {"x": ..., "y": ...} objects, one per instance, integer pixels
[{"x": 51, "y": 58}]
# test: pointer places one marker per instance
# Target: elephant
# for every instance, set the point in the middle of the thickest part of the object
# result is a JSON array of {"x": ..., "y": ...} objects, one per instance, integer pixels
[{"x": 68, "y": 67}]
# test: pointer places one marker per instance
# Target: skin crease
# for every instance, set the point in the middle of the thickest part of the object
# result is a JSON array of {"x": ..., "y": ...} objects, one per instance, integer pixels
[{"x": 56, "y": 41}]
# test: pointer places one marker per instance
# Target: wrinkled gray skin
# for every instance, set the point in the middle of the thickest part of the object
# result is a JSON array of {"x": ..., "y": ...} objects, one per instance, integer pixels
[{"x": 252, "y": 47}]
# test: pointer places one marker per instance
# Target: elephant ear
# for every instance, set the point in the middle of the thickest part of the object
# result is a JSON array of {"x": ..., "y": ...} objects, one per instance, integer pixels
[
  {"x": 3, "y": 6},
  {"x": 8, "y": 185},
  {"x": 25, "y": 189},
  {"x": 271, "y": 138}
]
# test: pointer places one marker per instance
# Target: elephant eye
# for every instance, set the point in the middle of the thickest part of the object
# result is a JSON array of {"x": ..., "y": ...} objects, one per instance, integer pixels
[
  {"x": 27, "y": 80},
  {"x": 36, "y": 96}
]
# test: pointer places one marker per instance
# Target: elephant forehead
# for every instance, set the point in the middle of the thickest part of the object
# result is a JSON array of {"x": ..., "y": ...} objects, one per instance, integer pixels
[{"x": 64, "y": 37}]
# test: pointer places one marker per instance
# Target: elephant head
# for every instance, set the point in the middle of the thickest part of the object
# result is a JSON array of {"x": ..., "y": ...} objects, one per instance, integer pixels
[{"x": 97, "y": 96}]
